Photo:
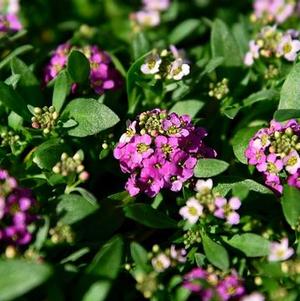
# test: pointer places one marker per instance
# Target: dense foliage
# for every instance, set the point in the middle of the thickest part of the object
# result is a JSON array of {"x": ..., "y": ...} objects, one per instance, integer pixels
[{"x": 150, "y": 149}]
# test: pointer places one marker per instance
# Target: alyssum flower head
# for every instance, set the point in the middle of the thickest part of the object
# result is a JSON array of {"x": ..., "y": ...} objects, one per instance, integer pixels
[
  {"x": 272, "y": 42},
  {"x": 167, "y": 64},
  {"x": 103, "y": 76},
  {"x": 275, "y": 153},
  {"x": 274, "y": 11},
  {"x": 209, "y": 285},
  {"x": 150, "y": 14},
  {"x": 16, "y": 205},
  {"x": 160, "y": 150}
]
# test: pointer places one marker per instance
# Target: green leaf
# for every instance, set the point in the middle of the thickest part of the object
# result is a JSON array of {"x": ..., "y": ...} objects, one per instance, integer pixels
[
  {"x": 15, "y": 121},
  {"x": 148, "y": 216},
  {"x": 62, "y": 88},
  {"x": 28, "y": 85},
  {"x": 223, "y": 44},
  {"x": 183, "y": 30},
  {"x": 269, "y": 94},
  {"x": 92, "y": 117},
  {"x": 252, "y": 245},
  {"x": 133, "y": 76},
  {"x": 227, "y": 183},
  {"x": 98, "y": 278},
  {"x": 215, "y": 253},
  {"x": 207, "y": 168},
  {"x": 140, "y": 45},
  {"x": 290, "y": 92},
  {"x": 283, "y": 115},
  {"x": 213, "y": 64},
  {"x": 20, "y": 276},
  {"x": 78, "y": 66},
  {"x": 14, "y": 53},
  {"x": 291, "y": 205},
  {"x": 189, "y": 107},
  {"x": 11, "y": 99},
  {"x": 48, "y": 153},
  {"x": 241, "y": 141},
  {"x": 139, "y": 256},
  {"x": 73, "y": 208}
]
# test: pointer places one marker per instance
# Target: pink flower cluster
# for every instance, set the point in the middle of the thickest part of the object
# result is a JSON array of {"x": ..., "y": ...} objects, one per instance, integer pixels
[
  {"x": 271, "y": 42},
  {"x": 275, "y": 153},
  {"x": 209, "y": 286},
  {"x": 149, "y": 15},
  {"x": 277, "y": 11},
  {"x": 160, "y": 150},
  {"x": 103, "y": 76},
  {"x": 16, "y": 205},
  {"x": 9, "y": 23}
]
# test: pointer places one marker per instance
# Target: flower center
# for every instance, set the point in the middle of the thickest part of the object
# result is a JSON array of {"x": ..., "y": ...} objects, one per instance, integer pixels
[
  {"x": 192, "y": 211},
  {"x": 287, "y": 48},
  {"x": 292, "y": 161},
  {"x": 272, "y": 168},
  {"x": 142, "y": 147}
]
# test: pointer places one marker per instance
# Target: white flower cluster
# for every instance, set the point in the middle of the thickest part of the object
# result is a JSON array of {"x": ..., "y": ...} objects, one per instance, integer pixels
[{"x": 168, "y": 64}]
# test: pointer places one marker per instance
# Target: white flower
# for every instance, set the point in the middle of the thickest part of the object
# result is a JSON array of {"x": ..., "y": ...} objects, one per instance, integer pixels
[
  {"x": 178, "y": 255},
  {"x": 254, "y": 297},
  {"x": 159, "y": 5},
  {"x": 192, "y": 210},
  {"x": 152, "y": 64},
  {"x": 161, "y": 262},
  {"x": 178, "y": 69},
  {"x": 203, "y": 187},
  {"x": 147, "y": 18},
  {"x": 252, "y": 54},
  {"x": 130, "y": 132},
  {"x": 288, "y": 48},
  {"x": 280, "y": 251},
  {"x": 9, "y": 6},
  {"x": 292, "y": 162}
]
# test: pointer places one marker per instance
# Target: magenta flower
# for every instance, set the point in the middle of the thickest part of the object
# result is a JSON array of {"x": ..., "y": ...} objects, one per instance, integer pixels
[
  {"x": 275, "y": 153},
  {"x": 9, "y": 23},
  {"x": 103, "y": 76},
  {"x": 16, "y": 215},
  {"x": 160, "y": 150},
  {"x": 230, "y": 287},
  {"x": 208, "y": 286}
]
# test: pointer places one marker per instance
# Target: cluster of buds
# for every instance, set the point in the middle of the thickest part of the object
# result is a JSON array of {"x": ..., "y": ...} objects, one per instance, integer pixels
[
  {"x": 9, "y": 138},
  {"x": 149, "y": 15},
  {"x": 103, "y": 76},
  {"x": 62, "y": 234},
  {"x": 206, "y": 201},
  {"x": 163, "y": 260},
  {"x": 273, "y": 11},
  {"x": 168, "y": 64},
  {"x": 44, "y": 118},
  {"x": 271, "y": 42},
  {"x": 271, "y": 72},
  {"x": 211, "y": 285},
  {"x": 160, "y": 150},
  {"x": 191, "y": 237},
  {"x": 275, "y": 153},
  {"x": 16, "y": 206},
  {"x": 147, "y": 284},
  {"x": 219, "y": 90},
  {"x": 71, "y": 166}
]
